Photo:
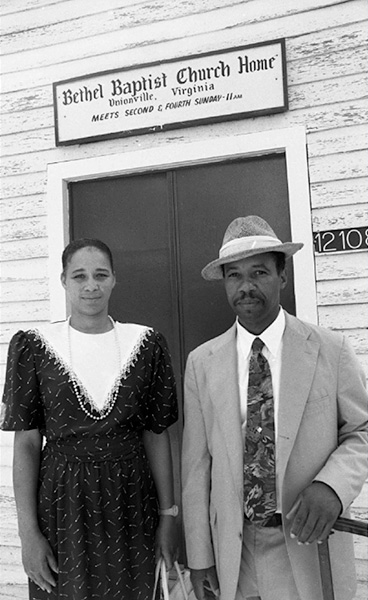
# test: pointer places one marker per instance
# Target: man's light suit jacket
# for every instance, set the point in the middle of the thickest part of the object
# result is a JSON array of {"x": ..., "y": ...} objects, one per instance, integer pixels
[{"x": 322, "y": 434}]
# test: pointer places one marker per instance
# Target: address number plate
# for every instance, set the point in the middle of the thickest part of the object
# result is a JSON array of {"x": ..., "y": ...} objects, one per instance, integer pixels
[{"x": 340, "y": 240}]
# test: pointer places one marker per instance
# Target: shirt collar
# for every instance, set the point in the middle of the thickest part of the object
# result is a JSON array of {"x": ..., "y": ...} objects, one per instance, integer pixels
[{"x": 271, "y": 336}]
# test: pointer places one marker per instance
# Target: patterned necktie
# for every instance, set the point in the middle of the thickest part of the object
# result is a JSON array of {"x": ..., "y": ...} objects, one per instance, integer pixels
[{"x": 259, "y": 453}]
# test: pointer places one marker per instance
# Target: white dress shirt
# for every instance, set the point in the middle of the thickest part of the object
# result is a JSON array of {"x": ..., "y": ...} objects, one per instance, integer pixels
[{"x": 272, "y": 339}]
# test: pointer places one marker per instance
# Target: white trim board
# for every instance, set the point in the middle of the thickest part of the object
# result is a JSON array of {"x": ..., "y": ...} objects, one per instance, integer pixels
[{"x": 292, "y": 141}]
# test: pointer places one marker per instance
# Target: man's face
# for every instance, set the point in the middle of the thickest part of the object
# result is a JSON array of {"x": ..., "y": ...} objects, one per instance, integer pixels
[{"x": 253, "y": 288}]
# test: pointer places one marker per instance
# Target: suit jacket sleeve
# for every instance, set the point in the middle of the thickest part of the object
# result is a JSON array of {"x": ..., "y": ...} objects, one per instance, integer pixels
[
  {"x": 347, "y": 467},
  {"x": 196, "y": 474}
]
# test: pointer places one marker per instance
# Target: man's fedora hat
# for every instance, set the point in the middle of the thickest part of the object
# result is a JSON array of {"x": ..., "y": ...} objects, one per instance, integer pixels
[{"x": 245, "y": 237}]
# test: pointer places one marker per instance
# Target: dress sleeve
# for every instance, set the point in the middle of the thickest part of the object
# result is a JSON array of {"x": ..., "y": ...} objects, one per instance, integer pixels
[
  {"x": 162, "y": 406},
  {"x": 21, "y": 407}
]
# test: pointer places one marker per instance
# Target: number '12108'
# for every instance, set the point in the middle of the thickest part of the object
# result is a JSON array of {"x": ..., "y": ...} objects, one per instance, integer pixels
[{"x": 338, "y": 240}]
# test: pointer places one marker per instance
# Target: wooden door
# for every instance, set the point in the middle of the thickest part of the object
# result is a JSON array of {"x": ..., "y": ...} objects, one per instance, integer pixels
[{"x": 163, "y": 227}]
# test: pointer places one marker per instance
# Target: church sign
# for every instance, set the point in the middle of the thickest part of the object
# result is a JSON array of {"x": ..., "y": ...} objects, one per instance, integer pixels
[{"x": 217, "y": 86}]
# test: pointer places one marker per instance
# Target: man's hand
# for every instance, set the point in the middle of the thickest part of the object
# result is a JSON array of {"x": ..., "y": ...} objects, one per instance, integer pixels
[
  {"x": 205, "y": 583},
  {"x": 314, "y": 513}
]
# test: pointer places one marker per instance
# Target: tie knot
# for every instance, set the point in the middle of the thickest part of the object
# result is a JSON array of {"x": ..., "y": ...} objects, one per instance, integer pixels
[{"x": 257, "y": 345}]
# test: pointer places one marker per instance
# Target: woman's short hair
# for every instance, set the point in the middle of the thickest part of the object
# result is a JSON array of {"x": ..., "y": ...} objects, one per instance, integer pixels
[{"x": 76, "y": 245}]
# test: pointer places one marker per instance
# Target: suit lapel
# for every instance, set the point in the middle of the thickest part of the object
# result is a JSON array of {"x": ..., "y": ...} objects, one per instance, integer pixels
[
  {"x": 224, "y": 392},
  {"x": 299, "y": 360}
]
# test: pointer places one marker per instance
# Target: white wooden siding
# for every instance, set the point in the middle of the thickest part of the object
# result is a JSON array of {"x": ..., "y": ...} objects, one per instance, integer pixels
[{"x": 44, "y": 41}]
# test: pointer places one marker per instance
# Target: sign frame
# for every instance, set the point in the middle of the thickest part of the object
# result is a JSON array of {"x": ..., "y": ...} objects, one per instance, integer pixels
[{"x": 281, "y": 107}]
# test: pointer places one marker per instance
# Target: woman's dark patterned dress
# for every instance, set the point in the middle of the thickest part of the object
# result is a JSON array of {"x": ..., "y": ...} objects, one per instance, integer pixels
[{"x": 97, "y": 500}]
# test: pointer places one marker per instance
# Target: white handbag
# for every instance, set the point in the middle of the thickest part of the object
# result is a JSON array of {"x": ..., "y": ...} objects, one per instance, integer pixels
[{"x": 182, "y": 588}]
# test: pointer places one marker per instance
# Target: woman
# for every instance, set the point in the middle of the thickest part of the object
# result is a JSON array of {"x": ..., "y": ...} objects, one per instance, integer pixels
[{"x": 102, "y": 395}]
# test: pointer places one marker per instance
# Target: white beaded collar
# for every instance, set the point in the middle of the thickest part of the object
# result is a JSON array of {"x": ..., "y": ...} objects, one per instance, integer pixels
[{"x": 55, "y": 339}]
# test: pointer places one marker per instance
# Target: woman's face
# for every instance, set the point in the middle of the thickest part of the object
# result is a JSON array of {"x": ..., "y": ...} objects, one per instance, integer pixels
[{"x": 88, "y": 280}]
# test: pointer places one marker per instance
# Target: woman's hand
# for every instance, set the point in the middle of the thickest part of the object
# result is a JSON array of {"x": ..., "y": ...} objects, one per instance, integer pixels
[
  {"x": 158, "y": 451},
  {"x": 167, "y": 541},
  {"x": 38, "y": 560}
]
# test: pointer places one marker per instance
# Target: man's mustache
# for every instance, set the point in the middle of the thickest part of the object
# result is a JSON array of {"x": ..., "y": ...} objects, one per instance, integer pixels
[{"x": 244, "y": 296}]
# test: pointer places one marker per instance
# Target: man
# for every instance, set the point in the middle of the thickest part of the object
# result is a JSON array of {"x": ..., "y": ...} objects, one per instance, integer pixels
[{"x": 275, "y": 437}]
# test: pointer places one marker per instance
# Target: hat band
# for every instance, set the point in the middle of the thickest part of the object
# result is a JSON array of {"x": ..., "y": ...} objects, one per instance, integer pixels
[{"x": 244, "y": 244}]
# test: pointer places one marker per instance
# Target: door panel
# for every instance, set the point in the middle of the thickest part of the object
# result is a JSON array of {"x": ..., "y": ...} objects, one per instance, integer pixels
[
  {"x": 209, "y": 197},
  {"x": 132, "y": 215}
]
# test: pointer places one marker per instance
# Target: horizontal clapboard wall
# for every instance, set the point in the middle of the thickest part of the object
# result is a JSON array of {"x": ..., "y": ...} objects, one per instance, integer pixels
[{"x": 43, "y": 41}]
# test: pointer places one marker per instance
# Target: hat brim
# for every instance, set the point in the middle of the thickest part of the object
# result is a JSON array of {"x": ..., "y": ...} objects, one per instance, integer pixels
[{"x": 214, "y": 271}]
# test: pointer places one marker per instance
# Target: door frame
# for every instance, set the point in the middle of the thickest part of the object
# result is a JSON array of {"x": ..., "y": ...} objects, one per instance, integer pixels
[{"x": 291, "y": 141}]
